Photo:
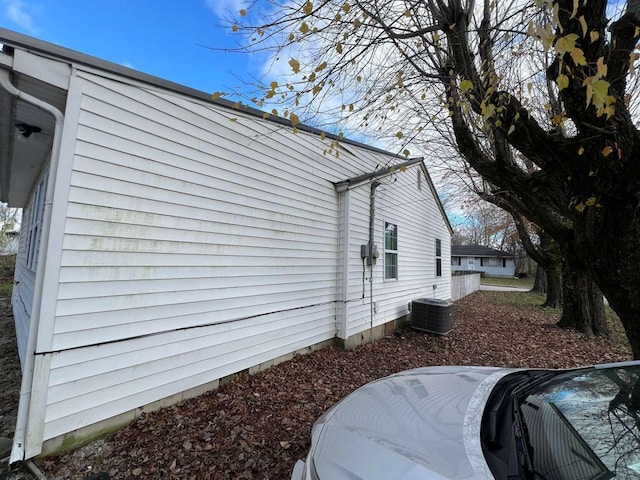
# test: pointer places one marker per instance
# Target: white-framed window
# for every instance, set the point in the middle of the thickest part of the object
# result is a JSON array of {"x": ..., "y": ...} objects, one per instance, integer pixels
[
  {"x": 390, "y": 251},
  {"x": 34, "y": 225},
  {"x": 438, "y": 257},
  {"x": 491, "y": 262}
]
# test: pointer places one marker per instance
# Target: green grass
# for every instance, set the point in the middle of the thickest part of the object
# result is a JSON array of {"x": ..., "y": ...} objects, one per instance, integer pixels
[
  {"x": 520, "y": 299},
  {"x": 508, "y": 282},
  {"x": 6, "y": 288}
]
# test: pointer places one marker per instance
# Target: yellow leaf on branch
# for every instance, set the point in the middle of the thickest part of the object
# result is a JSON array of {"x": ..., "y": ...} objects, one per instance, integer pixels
[
  {"x": 578, "y": 56},
  {"x": 295, "y": 65},
  {"x": 574, "y": 12},
  {"x": 562, "y": 81},
  {"x": 583, "y": 24},
  {"x": 602, "y": 67},
  {"x": 566, "y": 44},
  {"x": 466, "y": 85},
  {"x": 600, "y": 92}
]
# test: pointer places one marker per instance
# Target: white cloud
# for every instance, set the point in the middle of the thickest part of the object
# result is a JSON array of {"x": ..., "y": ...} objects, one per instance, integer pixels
[
  {"x": 226, "y": 9},
  {"x": 16, "y": 11}
]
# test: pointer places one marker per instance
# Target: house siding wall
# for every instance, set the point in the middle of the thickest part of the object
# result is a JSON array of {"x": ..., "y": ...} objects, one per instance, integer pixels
[
  {"x": 506, "y": 271},
  {"x": 198, "y": 242},
  {"x": 419, "y": 222},
  {"x": 25, "y": 275},
  {"x": 22, "y": 294}
]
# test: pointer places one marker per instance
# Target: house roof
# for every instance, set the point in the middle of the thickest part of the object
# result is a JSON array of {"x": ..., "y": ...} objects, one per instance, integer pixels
[
  {"x": 383, "y": 172},
  {"x": 477, "y": 251},
  {"x": 12, "y": 39}
]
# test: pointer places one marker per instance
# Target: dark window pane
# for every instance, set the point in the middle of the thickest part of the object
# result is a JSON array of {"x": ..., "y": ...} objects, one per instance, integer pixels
[
  {"x": 438, "y": 248},
  {"x": 438, "y": 267}
]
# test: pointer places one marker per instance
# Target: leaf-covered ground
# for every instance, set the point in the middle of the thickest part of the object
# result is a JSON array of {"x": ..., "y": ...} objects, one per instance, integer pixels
[{"x": 257, "y": 426}]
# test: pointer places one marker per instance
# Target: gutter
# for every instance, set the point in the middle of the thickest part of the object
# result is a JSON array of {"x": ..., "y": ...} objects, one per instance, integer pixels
[
  {"x": 18, "y": 450},
  {"x": 372, "y": 255},
  {"x": 367, "y": 177}
]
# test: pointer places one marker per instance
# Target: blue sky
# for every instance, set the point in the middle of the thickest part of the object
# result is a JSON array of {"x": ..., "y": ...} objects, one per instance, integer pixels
[{"x": 165, "y": 38}]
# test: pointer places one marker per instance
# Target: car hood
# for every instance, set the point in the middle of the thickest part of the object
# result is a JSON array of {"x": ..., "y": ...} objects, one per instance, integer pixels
[{"x": 422, "y": 423}]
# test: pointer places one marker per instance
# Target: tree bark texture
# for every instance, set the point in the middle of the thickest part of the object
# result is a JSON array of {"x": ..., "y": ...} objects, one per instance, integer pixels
[
  {"x": 583, "y": 301},
  {"x": 586, "y": 189},
  {"x": 540, "y": 283}
]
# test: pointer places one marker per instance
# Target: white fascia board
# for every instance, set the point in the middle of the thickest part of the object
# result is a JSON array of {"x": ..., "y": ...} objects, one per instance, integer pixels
[
  {"x": 6, "y": 60},
  {"x": 53, "y": 72}
]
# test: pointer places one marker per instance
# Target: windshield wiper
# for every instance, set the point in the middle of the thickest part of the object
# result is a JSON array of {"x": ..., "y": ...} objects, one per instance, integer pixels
[{"x": 520, "y": 454}]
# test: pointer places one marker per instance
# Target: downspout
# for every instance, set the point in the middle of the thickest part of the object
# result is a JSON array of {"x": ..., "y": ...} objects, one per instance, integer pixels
[
  {"x": 372, "y": 212},
  {"x": 18, "y": 450}
]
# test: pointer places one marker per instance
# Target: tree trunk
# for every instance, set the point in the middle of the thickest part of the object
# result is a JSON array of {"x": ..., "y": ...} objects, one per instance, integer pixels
[
  {"x": 609, "y": 239},
  {"x": 540, "y": 283},
  {"x": 555, "y": 294},
  {"x": 583, "y": 301},
  {"x": 626, "y": 305},
  {"x": 553, "y": 269}
]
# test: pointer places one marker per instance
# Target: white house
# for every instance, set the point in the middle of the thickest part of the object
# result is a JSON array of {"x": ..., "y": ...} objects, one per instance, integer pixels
[
  {"x": 478, "y": 258},
  {"x": 9, "y": 244},
  {"x": 169, "y": 241}
]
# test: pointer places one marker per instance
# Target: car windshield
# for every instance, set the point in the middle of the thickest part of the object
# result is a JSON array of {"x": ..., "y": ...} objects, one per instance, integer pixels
[{"x": 585, "y": 424}]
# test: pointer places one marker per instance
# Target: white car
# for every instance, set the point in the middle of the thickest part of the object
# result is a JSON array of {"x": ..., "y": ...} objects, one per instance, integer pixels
[{"x": 482, "y": 422}]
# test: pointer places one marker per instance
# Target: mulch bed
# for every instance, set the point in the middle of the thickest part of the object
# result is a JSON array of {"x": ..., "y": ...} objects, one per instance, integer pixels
[{"x": 258, "y": 425}]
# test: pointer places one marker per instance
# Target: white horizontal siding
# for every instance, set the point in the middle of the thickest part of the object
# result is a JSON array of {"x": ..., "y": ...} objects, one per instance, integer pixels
[
  {"x": 102, "y": 381},
  {"x": 417, "y": 216},
  {"x": 192, "y": 250},
  {"x": 199, "y": 242}
]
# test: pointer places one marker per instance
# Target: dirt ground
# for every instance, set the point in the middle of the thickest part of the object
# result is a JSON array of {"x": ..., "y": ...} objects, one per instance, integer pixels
[
  {"x": 9, "y": 384},
  {"x": 10, "y": 367},
  {"x": 257, "y": 426}
]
